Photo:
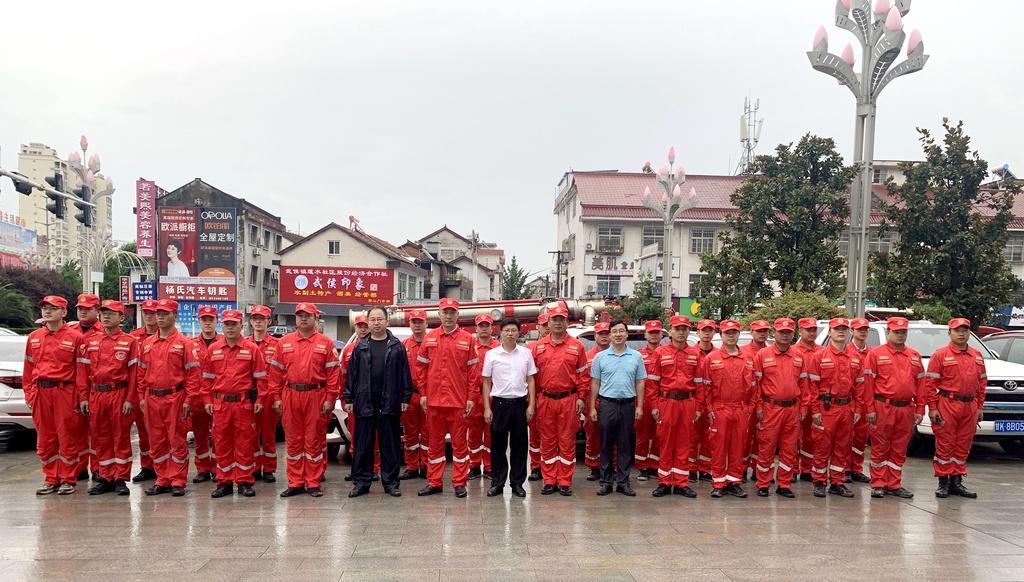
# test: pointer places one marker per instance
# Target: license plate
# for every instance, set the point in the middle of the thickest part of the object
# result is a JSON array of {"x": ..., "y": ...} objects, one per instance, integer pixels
[{"x": 1010, "y": 426}]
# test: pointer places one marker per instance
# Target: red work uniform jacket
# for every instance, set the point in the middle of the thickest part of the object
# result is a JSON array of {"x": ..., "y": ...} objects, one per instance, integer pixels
[
  {"x": 235, "y": 370},
  {"x": 108, "y": 360},
  {"x": 839, "y": 373},
  {"x": 728, "y": 379},
  {"x": 51, "y": 355},
  {"x": 412, "y": 352},
  {"x": 894, "y": 375},
  {"x": 449, "y": 365},
  {"x": 781, "y": 376},
  {"x": 678, "y": 370},
  {"x": 561, "y": 366},
  {"x": 305, "y": 360},
  {"x": 650, "y": 357},
  {"x": 167, "y": 363},
  {"x": 960, "y": 372}
]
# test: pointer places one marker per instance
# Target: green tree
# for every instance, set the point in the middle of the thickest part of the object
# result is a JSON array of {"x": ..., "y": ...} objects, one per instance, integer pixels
[
  {"x": 15, "y": 309},
  {"x": 932, "y": 311},
  {"x": 789, "y": 215},
  {"x": 71, "y": 274},
  {"x": 513, "y": 281},
  {"x": 641, "y": 306},
  {"x": 951, "y": 232},
  {"x": 797, "y": 304},
  {"x": 37, "y": 283}
]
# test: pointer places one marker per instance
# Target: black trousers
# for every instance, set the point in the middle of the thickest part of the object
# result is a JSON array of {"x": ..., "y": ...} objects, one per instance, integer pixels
[
  {"x": 615, "y": 421},
  {"x": 508, "y": 428},
  {"x": 387, "y": 431}
]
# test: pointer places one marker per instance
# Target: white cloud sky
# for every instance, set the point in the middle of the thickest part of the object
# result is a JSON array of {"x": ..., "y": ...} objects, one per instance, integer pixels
[{"x": 408, "y": 115}]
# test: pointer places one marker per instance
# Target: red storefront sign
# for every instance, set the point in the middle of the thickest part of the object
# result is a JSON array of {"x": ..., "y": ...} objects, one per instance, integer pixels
[
  {"x": 145, "y": 218},
  {"x": 337, "y": 285},
  {"x": 126, "y": 289}
]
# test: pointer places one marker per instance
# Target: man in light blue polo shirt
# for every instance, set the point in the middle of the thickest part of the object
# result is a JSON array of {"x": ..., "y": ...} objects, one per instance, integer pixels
[{"x": 617, "y": 378}]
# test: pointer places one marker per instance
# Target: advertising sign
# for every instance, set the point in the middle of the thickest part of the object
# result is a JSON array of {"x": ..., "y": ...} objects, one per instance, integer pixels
[
  {"x": 125, "y": 286},
  {"x": 197, "y": 254},
  {"x": 143, "y": 292},
  {"x": 337, "y": 285},
  {"x": 16, "y": 242},
  {"x": 188, "y": 315},
  {"x": 146, "y": 193}
]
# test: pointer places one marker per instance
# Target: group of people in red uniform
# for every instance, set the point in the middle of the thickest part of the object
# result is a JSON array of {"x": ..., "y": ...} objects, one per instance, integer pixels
[{"x": 781, "y": 409}]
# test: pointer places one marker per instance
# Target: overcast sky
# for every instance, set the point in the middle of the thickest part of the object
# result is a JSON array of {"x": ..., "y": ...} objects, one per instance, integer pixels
[{"x": 409, "y": 115}]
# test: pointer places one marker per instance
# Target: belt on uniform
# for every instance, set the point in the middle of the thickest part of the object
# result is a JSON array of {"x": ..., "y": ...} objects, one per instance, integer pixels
[
  {"x": 304, "y": 387},
  {"x": 507, "y": 401},
  {"x": 415, "y": 390},
  {"x": 892, "y": 402},
  {"x": 51, "y": 383},
  {"x": 955, "y": 396},
  {"x": 166, "y": 391},
  {"x": 678, "y": 395},
  {"x": 618, "y": 400},
  {"x": 109, "y": 387},
  {"x": 249, "y": 395},
  {"x": 559, "y": 395},
  {"x": 782, "y": 403},
  {"x": 835, "y": 400}
]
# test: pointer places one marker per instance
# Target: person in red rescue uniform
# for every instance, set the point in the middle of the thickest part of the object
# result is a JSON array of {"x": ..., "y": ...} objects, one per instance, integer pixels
[
  {"x": 266, "y": 417},
  {"x": 106, "y": 385},
  {"x": 728, "y": 375},
  {"x": 646, "y": 454},
  {"x": 562, "y": 363},
  {"x": 88, "y": 308},
  {"x": 201, "y": 421},
  {"x": 780, "y": 400},
  {"x": 535, "y": 464},
  {"x": 304, "y": 385},
  {"x": 677, "y": 407},
  {"x": 807, "y": 332},
  {"x": 759, "y": 330},
  {"x": 592, "y": 451},
  {"x": 893, "y": 401},
  {"x": 479, "y": 439},
  {"x": 414, "y": 419},
  {"x": 449, "y": 364},
  {"x": 836, "y": 382},
  {"x": 859, "y": 330},
  {"x": 169, "y": 382},
  {"x": 234, "y": 392},
  {"x": 362, "y": 325},
  {"x": 955, "y": 396},
  {"x": 49, "y": 374},
  {"x": 700, "y": 446},
  {"x": 146, "y": 472}
]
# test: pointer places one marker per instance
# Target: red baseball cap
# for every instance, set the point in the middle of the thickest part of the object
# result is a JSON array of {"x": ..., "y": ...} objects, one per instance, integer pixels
[
  {"x": 542, "y": 319},
  {"x": 706, "y": 323},
  {"x": 679, "y": 320},
  {"x": 88, "y": 300},
  {"x": 858, "y": 323},
  {"x": 149, "y": 305},
  {"x": 307, "y": 308},
  {"x": 112, "y": 305},
  {"x": 838, "y": 322},
  {"x": 417, "y": 314},
  {"x": 897, "y": 323},
  {"x": 653, "y": 325},
  {"x": 808, "y": 323},
  {"x": 447, "y": 303},
  {"x": 231, "y": 315},
  {"x": 558, "y": 311},
  {"x": 363, "y": 319},
  {"x": 483, "y": 318},
  {"x": 959, "y": 322},
  {"x": 730, "y": 325},
  {"x": 55, "y": 301},
  {"x": 784, "y": 323},
  {"x": 207, "y": 311},
  {"x": 759, "y": 324},
  {"x": 260, "y": 310},
  {"x": 602, "y": 326},
  {"x": 167, "y": 305}
]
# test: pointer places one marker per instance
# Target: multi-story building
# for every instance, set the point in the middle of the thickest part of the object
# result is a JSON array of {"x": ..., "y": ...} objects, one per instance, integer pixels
[
  {"x": 62, "y": 240},
  {"x": 480, "y": 262}
]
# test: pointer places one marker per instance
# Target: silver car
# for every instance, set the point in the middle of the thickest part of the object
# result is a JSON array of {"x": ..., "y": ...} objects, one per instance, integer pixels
[{"x": 16, "y": 423}]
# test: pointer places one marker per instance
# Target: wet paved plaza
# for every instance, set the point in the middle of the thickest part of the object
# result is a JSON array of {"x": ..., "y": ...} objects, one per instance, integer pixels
[{"x": 554, "y": 538}]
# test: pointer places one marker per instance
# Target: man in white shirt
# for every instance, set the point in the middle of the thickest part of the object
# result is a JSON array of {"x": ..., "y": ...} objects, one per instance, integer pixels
[{"x": 509, "y": 400}]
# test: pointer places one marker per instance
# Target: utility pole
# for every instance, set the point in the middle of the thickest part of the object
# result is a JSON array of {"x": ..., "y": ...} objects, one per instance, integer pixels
[{"x": 558, "y": 270}]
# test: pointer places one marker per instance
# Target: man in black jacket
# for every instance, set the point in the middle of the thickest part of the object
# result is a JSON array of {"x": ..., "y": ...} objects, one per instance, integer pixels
[{"x": 378, "y": 387}]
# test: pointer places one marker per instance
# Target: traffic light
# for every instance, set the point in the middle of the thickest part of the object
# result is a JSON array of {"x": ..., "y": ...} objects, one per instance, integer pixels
[
  {"x": 22, "y": 187},
  {"x": 85, "y": 195},
  {"x": 58, "y": 207}
]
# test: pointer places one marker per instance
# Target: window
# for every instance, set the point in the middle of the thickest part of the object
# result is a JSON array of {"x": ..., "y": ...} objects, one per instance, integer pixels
[
  {"x": 844, "y": 243},
  {"x": 402, "y": 280},
  {"x": 254, "y": 274},
  {"x": 1015, "y": 353},
  {"x": 608, "y": 285},
  {"x": 879, "y": 176},
  {"x": 609, "y": 239},
  {"x": 878, "y": 243},
  {"x": 266, "y": 239},
  {"x": 572, "y": 287},
  {"x": 254, "y": 234},
  {"x": 695, "y": 282},
  {"x": 702, "y": 240},
  {"x": 334, "y": 247},
  {"x": 654, "y": 234},
  {"x": 1014, "y": 251},
  {"x": 278, "y": 241},
  {"x": 419, "y": 290},
  {"x": 266, "y": 277}
]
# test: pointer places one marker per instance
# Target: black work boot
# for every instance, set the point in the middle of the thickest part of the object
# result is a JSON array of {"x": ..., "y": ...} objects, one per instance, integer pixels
[
  {"x": 943, "y": 491},
  {"x": 956, "y": 487}
]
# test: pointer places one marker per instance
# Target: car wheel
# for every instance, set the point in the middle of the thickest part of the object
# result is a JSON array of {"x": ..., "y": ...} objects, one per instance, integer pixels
[{"x": 1014, "y": 447}]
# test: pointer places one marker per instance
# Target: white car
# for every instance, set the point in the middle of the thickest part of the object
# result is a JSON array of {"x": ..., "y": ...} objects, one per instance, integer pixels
[
  {"x": 15, "y": 419},
  {"x": 1003, "y": 411}
]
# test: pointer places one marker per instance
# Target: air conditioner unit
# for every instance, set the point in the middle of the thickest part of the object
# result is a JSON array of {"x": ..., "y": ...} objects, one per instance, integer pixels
[
  {"x": 273, "y": 276},
  {"x": 590, "y": 246},
  {"x": 590, "y": 288},
  {"x": 255, "y": 251}
]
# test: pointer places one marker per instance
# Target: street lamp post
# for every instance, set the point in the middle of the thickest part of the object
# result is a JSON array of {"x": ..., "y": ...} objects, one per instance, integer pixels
[
  {"x": 880, "y": 32},
  {"x": 86, "y": 174},
  {"x": 669, "y": 204}
]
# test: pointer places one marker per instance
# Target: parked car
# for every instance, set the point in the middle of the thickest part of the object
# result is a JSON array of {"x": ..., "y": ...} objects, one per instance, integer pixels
[
  {"x": 280, "y": 330},
  {"x": 1008, "y": 345},
  {"x": 1003, "y": 411},
  {"x": 5, "y": 331},
  {"x": 16, "y": 425}
]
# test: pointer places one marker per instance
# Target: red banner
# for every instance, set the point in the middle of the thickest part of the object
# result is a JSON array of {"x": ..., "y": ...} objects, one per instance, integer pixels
[
  {"x": 337, "y": 285},
  {"x": 145, "y": 218}
]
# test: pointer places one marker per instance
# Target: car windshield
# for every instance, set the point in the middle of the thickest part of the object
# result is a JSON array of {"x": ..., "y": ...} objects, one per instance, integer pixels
[
  {"x": 635, "y": 340},
  {"x": 12, "y": 351},
  {"x": 928, "y": 339}
]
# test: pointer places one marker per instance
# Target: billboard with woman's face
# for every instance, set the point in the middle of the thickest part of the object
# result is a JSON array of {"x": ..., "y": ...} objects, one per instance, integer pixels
[{"x": 196, "y": 254}]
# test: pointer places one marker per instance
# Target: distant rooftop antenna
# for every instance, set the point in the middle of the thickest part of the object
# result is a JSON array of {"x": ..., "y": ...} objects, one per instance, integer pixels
[{"x": 750, "y": 134}]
